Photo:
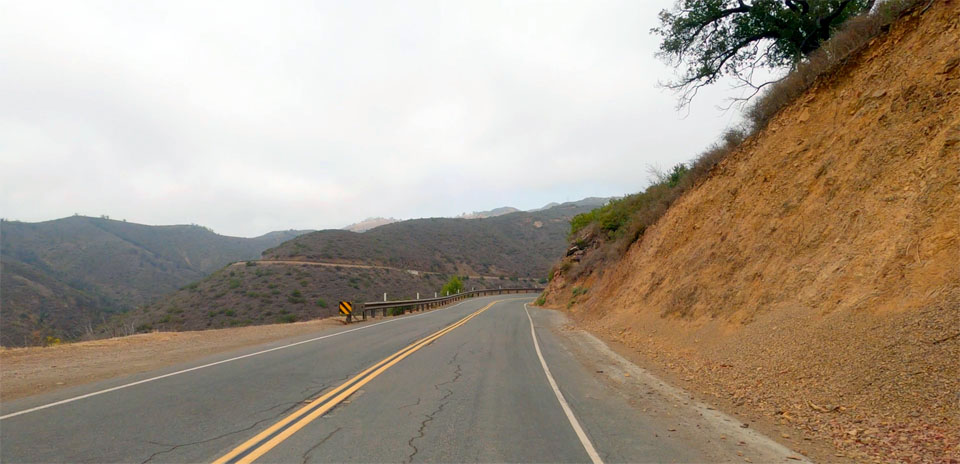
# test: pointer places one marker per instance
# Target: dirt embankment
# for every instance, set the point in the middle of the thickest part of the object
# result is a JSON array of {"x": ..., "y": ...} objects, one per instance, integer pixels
[{"x": 814, "y": 278}]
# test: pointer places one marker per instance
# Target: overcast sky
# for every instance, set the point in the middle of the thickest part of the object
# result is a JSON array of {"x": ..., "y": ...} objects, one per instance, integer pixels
[{"x": 249, "y": 117}]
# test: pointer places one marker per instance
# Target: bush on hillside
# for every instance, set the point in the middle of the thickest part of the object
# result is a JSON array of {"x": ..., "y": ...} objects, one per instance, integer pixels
[{"x": 452, "y": 287}]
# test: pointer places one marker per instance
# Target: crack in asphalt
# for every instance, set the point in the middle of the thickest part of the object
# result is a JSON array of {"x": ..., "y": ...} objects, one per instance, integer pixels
[
  {"x": 410, "y": 405},
  {"x": 316, "y": 386},
  {"x": 429, "y": 417},
  {"x": 306, "y": 456},
  {"x": 160, "y": 443},
  {"x": 290, "y": 406},
  {"x": 207, "y": 440}
]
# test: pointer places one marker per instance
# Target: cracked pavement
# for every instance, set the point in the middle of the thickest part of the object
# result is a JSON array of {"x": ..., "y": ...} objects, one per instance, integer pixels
[{"x": 477, "y": 394}]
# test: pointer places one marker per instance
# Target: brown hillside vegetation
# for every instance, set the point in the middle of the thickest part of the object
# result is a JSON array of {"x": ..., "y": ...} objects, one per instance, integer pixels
[
  {"x": 519, "y": 244},
  {"x": 63, "y": 278},
  {"x": 814, "y": 277},
  {"x": 256, "y": 294}
]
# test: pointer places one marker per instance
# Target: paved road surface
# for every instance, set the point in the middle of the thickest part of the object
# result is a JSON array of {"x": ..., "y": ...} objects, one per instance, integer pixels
[{"x": 477, "y": 391}]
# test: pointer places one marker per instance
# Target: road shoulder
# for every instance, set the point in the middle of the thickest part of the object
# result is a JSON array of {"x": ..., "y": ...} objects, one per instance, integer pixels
[{"x": 674, "y": 413}]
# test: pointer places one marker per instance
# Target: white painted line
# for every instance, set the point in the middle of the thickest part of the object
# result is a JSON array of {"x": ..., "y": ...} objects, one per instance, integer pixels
[
  {"x": 591, "y": 451},
  {"x": 184, "y": 371}
]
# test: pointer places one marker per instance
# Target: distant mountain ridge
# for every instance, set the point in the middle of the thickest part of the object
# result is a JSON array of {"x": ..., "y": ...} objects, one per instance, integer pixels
[
  {"x": 369, "y": 223},
  {"x": 374, "y": 222},
  {"x": 67, "y": 277},
  {"x": 62, "y": 277},
  {"x": 513, "y": 249},
  {"x": 517, "y": 244},
  {"x": 488, "y": 214}
]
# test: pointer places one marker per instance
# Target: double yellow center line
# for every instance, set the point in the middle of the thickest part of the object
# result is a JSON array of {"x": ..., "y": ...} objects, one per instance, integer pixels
[{"x": 264, "y": 441}]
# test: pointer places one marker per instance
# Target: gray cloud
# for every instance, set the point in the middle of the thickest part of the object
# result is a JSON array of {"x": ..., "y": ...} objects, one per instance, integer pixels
[{"x": 255, "y": 116}]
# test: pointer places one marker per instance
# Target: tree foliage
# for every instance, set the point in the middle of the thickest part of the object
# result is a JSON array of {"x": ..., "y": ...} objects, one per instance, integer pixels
[
  {"x": 452, "y": 287},
  {"x": 714, "y": 38}
]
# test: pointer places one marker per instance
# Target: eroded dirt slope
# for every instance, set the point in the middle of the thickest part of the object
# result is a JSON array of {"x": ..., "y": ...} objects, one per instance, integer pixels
[{"x": 815, "y": 276}]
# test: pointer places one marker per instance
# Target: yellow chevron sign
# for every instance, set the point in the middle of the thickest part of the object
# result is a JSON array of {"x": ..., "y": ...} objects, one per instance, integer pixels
[{"x": 346, "y": 308}]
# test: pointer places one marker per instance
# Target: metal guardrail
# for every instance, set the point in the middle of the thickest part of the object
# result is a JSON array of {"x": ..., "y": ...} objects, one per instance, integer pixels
[{"x": 427, "y": 303}]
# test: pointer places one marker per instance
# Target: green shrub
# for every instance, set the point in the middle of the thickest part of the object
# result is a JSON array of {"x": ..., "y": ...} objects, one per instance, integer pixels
[
  {"x": 288, "y": 318},
  {"x": 251, "y": 263},
  {"x": 542, "y": 300},
  {"x": 230, "y": 313},
  {"x": 234, "y": 283},
  {"x": 676, "y": 174},
  {"x": 453, "y": 286},
  {"x": 322, "y": 303}
]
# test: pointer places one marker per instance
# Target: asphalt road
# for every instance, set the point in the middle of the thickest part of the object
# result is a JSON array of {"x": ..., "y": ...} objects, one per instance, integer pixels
[{"x": 406, "y": 390}]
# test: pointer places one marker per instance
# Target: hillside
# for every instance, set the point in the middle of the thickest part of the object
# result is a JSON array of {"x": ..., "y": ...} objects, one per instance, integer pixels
[
  {"x": 267, "y": 293},
  {"x": 813, "y": 277},
  {"x": 63, "y": 277},
  {"x": 521, "y": 244},
  {"x": 514, "y": 249}
]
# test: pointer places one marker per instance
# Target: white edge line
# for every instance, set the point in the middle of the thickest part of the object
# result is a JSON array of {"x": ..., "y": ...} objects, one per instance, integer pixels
[
  {"x": 184, "y": 371},
  {"x": 584, "y": 440}
]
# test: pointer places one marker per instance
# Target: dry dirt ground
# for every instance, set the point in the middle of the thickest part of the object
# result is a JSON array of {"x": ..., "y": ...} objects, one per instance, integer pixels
[
  {"x": 33, "y": 370},
  {"x": 814, "y": 278}
]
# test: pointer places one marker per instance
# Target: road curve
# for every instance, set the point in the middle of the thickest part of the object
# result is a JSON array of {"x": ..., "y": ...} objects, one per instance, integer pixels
[{"x": 463, "y": 384}]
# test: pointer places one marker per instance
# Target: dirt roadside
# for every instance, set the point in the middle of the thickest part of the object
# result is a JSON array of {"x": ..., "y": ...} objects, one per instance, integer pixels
[
  {"x": 33, "y": 370},
  {"x": 720, "y": 430},
  {"x": 653, "y": 363}
]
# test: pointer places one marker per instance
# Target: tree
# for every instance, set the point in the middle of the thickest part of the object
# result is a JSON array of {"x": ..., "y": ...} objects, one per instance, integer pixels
[
  {"x": 453, "y": 286},
  {"x": 714, "y": 38}
]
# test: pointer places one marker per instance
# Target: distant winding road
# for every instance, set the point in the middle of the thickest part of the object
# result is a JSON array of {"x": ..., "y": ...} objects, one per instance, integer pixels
[{"x": 355, "y": 266}]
